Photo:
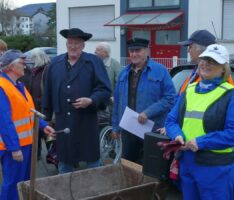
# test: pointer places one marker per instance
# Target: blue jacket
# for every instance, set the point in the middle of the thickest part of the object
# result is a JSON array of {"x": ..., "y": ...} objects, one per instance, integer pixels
[
  {"x": 7, "y": 128},
  {"x": 155, "y": 94},
  {"x": 213, "y": 140}
]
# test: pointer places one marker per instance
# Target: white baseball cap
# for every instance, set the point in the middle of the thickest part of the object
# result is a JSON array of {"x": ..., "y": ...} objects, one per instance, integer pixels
[{"x": 217, "y": 52}]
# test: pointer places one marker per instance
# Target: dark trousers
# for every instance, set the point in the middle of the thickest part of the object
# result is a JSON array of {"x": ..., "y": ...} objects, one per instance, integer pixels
[{"x": 132, "y": 147}]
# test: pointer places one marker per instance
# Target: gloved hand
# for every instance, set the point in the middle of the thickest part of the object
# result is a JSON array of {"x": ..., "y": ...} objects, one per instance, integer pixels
[{"x": 169, "y": 147}]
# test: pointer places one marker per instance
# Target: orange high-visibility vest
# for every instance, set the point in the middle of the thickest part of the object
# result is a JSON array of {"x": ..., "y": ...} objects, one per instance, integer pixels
[{"x": 21, "y": 115}]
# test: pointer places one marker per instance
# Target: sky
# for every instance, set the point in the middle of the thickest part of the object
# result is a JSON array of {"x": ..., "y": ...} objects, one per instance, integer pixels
[{"x": 19, "y": 3}]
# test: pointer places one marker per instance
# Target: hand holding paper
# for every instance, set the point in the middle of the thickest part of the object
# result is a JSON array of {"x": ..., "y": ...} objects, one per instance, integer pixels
[{"x": 129, "y": 122}]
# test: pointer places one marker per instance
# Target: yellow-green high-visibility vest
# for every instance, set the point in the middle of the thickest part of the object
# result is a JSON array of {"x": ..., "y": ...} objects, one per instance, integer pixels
[{"x": 196, "y": 105}]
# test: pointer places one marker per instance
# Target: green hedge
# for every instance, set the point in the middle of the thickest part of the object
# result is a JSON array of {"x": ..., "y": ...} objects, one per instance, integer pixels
[{"x": 21, "y": 42}]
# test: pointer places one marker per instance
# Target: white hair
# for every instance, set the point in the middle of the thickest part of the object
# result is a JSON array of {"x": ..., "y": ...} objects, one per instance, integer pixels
[
  {"x": 199, "y": 47},
  {"x": 7, "y": 67},
  {"x": 40, "y": 58},
  {"x": 105, "y": 46}
]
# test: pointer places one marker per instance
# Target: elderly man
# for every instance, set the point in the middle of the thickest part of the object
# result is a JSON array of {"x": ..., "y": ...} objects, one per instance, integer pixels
[
  {"x": 197, "y": 43},
  {"x": 146, "y": 87},
  {"x": 77, "y": 85},
  {"x": 16, "y": 124},
  {"x": 103, "y": 50}
]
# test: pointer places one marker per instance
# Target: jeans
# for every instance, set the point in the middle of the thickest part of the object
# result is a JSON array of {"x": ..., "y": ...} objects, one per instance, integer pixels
[{"x": 65, "y": 167}]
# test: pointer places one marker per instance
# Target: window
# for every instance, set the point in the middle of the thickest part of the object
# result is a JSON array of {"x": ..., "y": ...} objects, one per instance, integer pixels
[
  {"x": 141, "y": 34},
  {"x": 80, "y": 17},
  {"x": 140, "y": 3},
  {"x": 152, "y": 3},
  {"x": 169, "y": 37},
  {"x": 228, "y": 19},
  {"x": 166, "y": 3}
]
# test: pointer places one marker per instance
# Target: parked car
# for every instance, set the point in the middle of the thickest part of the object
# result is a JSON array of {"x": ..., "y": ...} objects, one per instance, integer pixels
[
  {"x": 50, "y": 51},
  {"x": 181, "y": 72}
]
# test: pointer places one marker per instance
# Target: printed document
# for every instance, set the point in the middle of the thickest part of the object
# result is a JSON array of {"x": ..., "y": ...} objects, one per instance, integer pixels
[{"x": 130, "y": 123}]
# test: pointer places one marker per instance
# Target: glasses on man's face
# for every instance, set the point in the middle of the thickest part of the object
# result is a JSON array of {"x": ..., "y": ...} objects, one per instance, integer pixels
[
  {"x": 74, "y": 45},
  {"x": 208, "y": 61}
]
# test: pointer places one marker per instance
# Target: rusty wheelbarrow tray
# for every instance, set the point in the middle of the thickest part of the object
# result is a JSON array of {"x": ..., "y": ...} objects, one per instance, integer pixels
[{"x": 102, "y": 183}]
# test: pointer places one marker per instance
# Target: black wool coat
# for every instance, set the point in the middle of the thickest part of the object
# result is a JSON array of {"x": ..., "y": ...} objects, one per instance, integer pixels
[{"x": 87, "y": 78}]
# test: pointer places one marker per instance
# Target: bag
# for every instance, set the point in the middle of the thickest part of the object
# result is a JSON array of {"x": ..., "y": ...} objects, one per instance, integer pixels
[{"x": 174, "y": 170}]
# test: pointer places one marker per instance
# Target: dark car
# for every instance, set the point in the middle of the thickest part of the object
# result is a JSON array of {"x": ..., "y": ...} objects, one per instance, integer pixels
[{"x": 50, "y": 51}]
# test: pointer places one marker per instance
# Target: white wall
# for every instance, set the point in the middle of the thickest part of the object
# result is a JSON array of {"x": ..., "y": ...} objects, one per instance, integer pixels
[
  {"x": 63, "y": 23},
  {"x": 40, "y": 21},
  {"x": 202, "y": 13}
]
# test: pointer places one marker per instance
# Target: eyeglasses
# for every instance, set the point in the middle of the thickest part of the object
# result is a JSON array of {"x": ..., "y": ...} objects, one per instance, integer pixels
[
  {"x": 208, "y": 61},
  {"x": 75, "y": 45}
]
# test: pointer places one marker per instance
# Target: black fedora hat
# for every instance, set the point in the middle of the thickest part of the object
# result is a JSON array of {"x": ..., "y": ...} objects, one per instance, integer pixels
[{"x": 75, "y": 33}]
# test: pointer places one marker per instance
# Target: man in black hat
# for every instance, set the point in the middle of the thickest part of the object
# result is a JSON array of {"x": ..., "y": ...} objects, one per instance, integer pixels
[
  {"x": 76, "y": 86},
  {"x": 146, "y": 87}
]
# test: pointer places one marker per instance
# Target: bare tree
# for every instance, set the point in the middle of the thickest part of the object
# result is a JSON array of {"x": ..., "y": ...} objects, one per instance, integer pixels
[{"x": 6, "y": 17}]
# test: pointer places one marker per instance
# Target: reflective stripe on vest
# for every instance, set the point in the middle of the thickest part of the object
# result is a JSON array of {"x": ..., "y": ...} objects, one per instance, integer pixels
[
  {"x": 22, "y": 135},
  {"x": 22, "y": 121},
  {"x": 196, "y": 105},
  {"x": 21, "y": 115}
]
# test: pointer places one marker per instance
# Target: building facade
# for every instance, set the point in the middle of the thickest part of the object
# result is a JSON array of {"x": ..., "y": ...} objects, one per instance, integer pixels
[
  {"x": 90, "y": 16},
  {"x": 163, "y": 22},
  {"x": 40, "y": 21}
]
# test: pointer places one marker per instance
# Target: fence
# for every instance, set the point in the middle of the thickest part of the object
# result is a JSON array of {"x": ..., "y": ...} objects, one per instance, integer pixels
[{"x": 168, "y": 62}]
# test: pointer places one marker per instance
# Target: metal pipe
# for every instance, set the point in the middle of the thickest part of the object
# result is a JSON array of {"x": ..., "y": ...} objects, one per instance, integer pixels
[{"x": 37, "y": 115}]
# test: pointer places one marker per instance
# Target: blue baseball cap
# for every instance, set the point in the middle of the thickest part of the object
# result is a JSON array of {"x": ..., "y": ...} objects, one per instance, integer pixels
[
  {"x": 202, "y": 37},
  {"x": 9, "y": 56}
]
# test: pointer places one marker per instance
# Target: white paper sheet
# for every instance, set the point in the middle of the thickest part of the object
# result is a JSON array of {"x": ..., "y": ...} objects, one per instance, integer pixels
[{"x": 130, "y": 123}]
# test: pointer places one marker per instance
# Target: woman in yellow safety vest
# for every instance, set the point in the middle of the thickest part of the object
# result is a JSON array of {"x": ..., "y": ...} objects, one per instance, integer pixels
[{"x": 203, "y": 122}]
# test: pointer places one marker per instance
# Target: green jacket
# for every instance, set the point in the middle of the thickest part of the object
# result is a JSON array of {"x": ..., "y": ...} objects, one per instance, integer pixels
[{"x": 113, "y": 69}]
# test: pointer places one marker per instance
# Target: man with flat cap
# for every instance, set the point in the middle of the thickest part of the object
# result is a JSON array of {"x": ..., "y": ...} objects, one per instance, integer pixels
[
  {"x": 77, "y": 85},
  {"x": 146, "y": 87}
]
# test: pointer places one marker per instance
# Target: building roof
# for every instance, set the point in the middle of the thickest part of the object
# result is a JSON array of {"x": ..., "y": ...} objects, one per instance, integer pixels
[
  {"x": 147, "y": 19},
  {"x": 31, "y": 9}
]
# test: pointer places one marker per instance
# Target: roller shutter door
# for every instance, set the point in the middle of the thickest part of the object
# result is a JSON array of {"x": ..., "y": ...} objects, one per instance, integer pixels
[
  {"x": 228, "y": 20},
  {"x": 92, "y": 19}
]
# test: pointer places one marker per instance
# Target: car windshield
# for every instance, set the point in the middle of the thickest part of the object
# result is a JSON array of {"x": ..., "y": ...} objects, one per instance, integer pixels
[{"x": 180, "y": 77}]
